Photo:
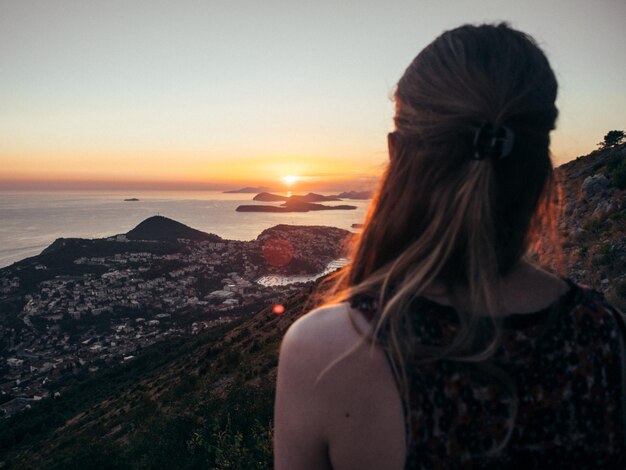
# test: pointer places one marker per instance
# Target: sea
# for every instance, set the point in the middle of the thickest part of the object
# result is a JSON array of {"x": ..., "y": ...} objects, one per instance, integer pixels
[{"x": 30, "y": 221}]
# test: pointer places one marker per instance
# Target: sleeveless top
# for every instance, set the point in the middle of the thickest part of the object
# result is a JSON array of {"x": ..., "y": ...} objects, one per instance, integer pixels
[{"x": 567, "y": 365}]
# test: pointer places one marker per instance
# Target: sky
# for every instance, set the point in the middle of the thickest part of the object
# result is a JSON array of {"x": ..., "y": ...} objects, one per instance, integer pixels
[{"x": 220, "y": 93}]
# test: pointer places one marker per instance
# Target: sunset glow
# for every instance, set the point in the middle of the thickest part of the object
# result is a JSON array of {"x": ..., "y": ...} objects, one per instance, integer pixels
[
  {"x": 290, "y": 179},
  {"x": 220, "y": 94}
]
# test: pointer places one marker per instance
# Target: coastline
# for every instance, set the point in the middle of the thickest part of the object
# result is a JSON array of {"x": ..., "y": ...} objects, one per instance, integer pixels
[
  {"x": 33, "y": 220},
  {"x": 272, "y": 280}
]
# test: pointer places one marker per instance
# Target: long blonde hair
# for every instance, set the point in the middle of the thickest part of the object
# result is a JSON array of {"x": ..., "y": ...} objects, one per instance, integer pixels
[{"x": 442, "y": 218}]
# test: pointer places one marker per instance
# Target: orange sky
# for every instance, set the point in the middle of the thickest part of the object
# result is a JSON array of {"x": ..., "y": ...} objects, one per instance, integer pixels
[
  {"x": 186, "y": 171},
  {"x": 354, "y": 167},
  {"x": 201, "y": 95}
]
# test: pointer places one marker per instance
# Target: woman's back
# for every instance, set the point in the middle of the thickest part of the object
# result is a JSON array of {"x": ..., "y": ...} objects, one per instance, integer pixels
[
  {"x": 566, "y": 361},
  {"x": 566, "y": 365}
]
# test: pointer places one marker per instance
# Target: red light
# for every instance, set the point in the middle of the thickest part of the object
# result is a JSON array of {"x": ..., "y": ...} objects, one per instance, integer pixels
[
  {"x": 277, "y": 252},
  {"x": 278, "y": 309}
]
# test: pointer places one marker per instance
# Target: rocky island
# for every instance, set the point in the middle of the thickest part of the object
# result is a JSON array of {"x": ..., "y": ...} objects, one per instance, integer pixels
[
  {"x": 296, "y": 203},
  {"x": 293, "y": 206},
  {"x": 248, "y": 190},
  {"x": 362, "y": 195},
  {"x": 310, "y": 197}
]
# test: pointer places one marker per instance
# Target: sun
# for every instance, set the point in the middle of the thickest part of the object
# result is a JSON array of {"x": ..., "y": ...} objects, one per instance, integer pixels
[{"x": 290, "y": 179}]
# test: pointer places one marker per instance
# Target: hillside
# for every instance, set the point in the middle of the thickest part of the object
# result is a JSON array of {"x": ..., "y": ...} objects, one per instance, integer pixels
[
  {"x": 161, "y": 228},
  {"x": 206, "y": 402},
  {"x": 90, "y": 304},
  {"x": 200, "y": 403},
  {"x": 593, "y": 221}
]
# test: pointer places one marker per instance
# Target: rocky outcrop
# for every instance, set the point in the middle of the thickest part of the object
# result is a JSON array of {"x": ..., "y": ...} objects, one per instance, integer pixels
[
  {"x": 592, "y": 225},
  {"x": 595, "y": 185}
]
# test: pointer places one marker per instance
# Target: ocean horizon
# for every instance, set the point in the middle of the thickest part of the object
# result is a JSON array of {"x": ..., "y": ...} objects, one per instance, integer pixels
[{"x": 32, "y": 220}]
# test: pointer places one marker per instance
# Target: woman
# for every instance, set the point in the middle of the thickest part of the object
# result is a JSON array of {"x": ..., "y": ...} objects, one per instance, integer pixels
[{"x": 444, "y": 346}]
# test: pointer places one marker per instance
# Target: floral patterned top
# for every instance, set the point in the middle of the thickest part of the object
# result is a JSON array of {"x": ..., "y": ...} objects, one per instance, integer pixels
[{"x": 566, "y": 366}]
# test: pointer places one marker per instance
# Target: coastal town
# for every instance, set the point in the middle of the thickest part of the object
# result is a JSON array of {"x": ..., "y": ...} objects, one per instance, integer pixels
[{"x": 94, "y": 311}]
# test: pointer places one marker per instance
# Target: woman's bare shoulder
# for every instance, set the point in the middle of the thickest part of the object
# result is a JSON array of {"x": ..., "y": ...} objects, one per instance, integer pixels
[
  {"x": 309, "y": 346},
  {"x": 330, "y": 315},
  {"x": 324, "y": 326},
  {"x": 320, "y": 336},
  {"x": 331, "y": 377}
]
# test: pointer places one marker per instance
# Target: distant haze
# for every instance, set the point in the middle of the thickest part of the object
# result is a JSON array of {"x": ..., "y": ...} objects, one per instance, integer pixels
[{"x": 222, "y": 94}]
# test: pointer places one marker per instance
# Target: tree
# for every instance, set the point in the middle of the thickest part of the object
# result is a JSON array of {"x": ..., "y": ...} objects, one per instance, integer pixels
[{"x": 611, "y": 139}]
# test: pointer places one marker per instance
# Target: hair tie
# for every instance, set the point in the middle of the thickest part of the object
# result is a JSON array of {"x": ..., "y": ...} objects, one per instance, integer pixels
[{"x": 490, "y": 142}]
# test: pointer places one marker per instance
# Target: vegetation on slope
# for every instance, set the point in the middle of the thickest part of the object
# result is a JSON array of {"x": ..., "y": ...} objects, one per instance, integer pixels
[
  {"x": 200, "y": 403},
  {"x": 593, "y": 224}
]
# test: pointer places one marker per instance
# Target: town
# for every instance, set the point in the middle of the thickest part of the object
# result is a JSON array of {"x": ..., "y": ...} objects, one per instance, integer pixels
[{"x": 72, "y": 323}]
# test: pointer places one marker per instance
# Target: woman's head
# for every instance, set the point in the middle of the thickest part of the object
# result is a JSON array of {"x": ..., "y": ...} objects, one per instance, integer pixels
[
  {"x": 453, "y": 211},
  {"x": 440, "y": 215}
]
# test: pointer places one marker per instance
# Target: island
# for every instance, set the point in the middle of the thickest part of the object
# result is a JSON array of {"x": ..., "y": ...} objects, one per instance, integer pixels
[
  {"x": 161, "y": 228},
  {"x": 293, "y": 206},
  {"x": 131, "y": 199},
  {"x": 310, "y": 197},
  {"x": 269, "y": 197},
  {"x": 248, "y": 190},
  {"x": 357, "y": 195}
]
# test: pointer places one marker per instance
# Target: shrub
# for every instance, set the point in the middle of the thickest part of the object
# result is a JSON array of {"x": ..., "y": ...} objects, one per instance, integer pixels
[{"x": 616, "y": 169}]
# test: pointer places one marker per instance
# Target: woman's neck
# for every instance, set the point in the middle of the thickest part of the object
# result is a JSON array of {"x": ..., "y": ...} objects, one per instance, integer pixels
[{"x": 527, "y": 288}]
